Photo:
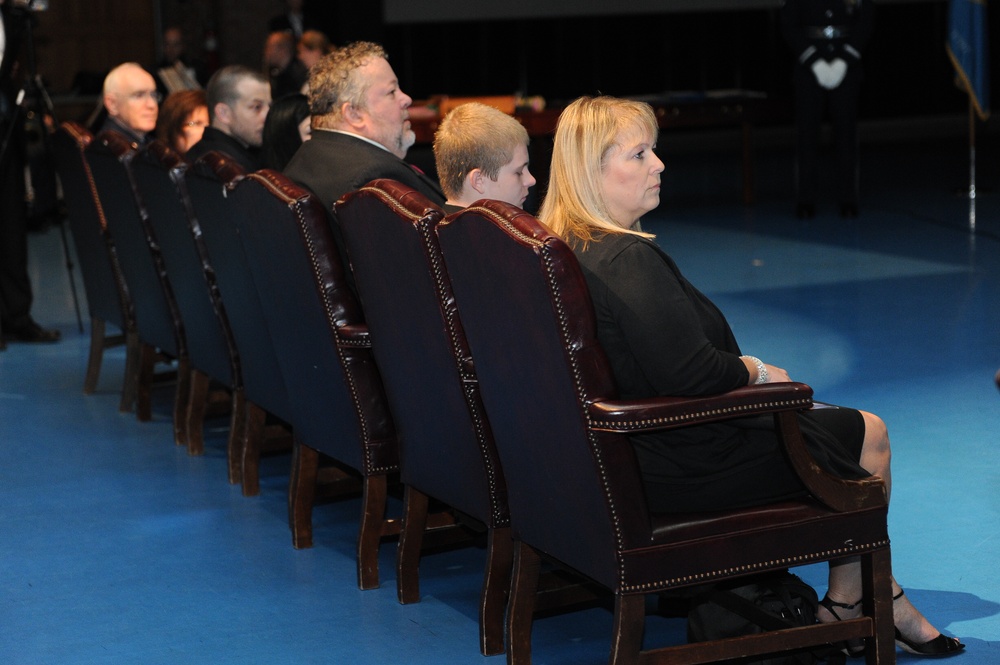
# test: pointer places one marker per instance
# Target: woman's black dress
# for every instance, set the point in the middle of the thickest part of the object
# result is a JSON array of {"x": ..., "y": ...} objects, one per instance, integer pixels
[{"x": 664, "y": 337}]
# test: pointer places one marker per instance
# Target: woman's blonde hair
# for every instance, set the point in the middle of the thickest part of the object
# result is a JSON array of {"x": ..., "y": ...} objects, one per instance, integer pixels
[{"x": 587, "y": 131}]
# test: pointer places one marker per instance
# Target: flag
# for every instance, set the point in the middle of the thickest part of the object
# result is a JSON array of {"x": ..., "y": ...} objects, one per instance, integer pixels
[{"x": 968, "y": 48}]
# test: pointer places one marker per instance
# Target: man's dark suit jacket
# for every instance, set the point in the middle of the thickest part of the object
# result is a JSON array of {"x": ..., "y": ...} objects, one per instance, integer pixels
[
  {"x": 219, "y": 141},
  {"x": 332, "y": 164}
]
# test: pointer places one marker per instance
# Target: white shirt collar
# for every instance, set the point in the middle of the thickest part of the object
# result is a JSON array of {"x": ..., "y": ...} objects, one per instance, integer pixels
[{"x": 357, "y": 136}]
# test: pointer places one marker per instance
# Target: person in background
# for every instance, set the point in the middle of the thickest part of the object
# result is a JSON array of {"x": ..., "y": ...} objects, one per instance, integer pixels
[
  {"x": 174, "y": 72},
  {"x": 312, "y": 46},
  {"x": 238, "y": 101},
  {"x": 183, "y": 119},
  {"x": 827, "y": 38},
  {"x": 293, "y": 20},
  {"x": 481, "y": 153},
  {"x": 664, "y": 337},
  {"x": 286, "y": 73},
  {"x": 287, "y": 127},
  {"x": 16, "y": 297},
  {"x": 132, "y": 102}
]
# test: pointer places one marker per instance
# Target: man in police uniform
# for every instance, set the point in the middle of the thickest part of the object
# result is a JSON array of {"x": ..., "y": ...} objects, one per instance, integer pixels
[{"x": 827, "y": 38}]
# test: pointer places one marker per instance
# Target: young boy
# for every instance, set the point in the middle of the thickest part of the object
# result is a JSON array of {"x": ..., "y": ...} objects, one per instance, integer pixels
[{"x": 481, "y": 153}]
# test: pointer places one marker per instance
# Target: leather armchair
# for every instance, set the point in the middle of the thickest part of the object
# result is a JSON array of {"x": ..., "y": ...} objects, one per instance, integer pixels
[
  {"x": 159, "y": 177},
  {"x": 338, "y": 405},
  {"x": 574, "y": 487},
  {"x": 157, "y": 317},
  {"x": 209, "y": 182},
  {"x": 108, "y": 299},
  {"x": 446, "y": 445}
]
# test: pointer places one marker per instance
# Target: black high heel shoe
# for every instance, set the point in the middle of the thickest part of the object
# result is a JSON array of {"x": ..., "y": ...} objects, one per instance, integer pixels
[
  {"x": 939, "y": 647},
  {"x": 855, "y": 650}
]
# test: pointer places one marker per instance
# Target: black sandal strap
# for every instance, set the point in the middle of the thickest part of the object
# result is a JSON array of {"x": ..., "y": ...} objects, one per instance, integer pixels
[{"x": 830, "y": 604}]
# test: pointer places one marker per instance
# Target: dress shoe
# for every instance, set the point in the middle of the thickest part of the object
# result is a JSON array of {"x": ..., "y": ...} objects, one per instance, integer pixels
[
  {"x": 849, "y": 210},
  {"x": 805, "y": 211},
  {"x": 31, "y": 333},
  {"x": 936, "y": 648}
]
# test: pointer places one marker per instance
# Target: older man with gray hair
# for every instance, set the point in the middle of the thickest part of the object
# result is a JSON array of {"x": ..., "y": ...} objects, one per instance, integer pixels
[
  {"x": 132, "y": 102},
  {"x": 360, "y": 124}
]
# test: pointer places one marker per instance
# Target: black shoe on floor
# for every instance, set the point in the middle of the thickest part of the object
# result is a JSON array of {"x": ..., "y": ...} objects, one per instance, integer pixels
[{"x": 31, "y": 333}]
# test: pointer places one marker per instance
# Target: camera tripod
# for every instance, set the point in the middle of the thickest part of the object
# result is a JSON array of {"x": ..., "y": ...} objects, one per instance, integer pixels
[{"x": 32, "y": 109}]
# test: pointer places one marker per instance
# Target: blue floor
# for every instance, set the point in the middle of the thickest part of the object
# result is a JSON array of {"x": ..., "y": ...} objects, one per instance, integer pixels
[{"x": 117, "y": 547}]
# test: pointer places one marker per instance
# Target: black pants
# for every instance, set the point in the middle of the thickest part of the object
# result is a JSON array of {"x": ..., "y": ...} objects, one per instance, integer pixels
[
  {"x": 15, "y": 287},
  {"x": 812, "y": 103}
]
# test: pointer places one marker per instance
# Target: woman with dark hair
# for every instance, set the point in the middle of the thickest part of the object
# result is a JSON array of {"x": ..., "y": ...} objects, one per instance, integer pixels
[
  {"x": 183, "y": 119},
  {"x": 286, "y": 128}
]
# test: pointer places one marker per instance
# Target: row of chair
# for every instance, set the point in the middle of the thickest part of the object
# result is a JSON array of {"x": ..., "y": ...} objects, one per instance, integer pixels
[{"x": 466, "y": 365}]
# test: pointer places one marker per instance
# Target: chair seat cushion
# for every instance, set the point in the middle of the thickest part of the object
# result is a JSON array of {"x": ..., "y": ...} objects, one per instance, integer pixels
[{"x": 695, "y": 548}]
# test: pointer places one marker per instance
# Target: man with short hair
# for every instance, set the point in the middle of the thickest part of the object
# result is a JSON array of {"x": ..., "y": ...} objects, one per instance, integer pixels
[
  {"x": 238, "y": 101},
  {"x": 360, "y": 127},
  {"x": 132, "y": 103},
  {"x": 482, "y": 153}
]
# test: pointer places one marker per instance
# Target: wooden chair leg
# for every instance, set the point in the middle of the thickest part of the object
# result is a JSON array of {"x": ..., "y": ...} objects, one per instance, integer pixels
[
  {"x": 237, "y": 436},
  {"x": 194, "y": 422},
  {"x": 373, "y": 498},
  {"x": 630, "y": 623},
  {"x": 182, "y": 393},
  {"x": 521, "y": 607},
  {"x": 876, "y": 580},
  {"x": 96, "y": 355},
  {"x": 411, "y": 539},
  {"x": 302, "y": 494},
  {"x": 133, "y": 351},
  {"x": 253, "y": 436},
  {"x": 144, "y": 386},
  {"x": 496, "y": 584}
]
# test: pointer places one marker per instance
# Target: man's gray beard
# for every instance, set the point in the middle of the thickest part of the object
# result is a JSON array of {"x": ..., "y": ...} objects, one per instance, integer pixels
[{"x": 406, "y": 140}]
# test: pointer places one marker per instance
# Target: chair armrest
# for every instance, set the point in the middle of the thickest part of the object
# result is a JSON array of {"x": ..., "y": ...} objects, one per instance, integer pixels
[
  {"x": 659, "y": 413},
  {"x": 782, "y": 400},
  {"x": 354, "y": 335}
]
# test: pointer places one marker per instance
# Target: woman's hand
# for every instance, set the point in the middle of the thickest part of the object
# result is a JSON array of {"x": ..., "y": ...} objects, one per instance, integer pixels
[
  {"x": 776, "y": 374},
  {"x": 761, "y": 372}
]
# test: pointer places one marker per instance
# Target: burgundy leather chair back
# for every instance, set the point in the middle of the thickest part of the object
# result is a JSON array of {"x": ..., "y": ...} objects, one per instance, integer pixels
[
  {"x": 446, "y": 445},
  {"x": 337, "y": 399},
  {"x": 159, "y": 176},
  {"x": 158, "y": 321},
  {"x": 210, "y": 181},
  {"x": 107, "y": 295},
  {"x": 530, "y": 325}
]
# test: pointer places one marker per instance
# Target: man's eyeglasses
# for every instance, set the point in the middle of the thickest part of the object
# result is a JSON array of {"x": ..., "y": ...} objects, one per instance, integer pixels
[{"x": 140, "y": 95}]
